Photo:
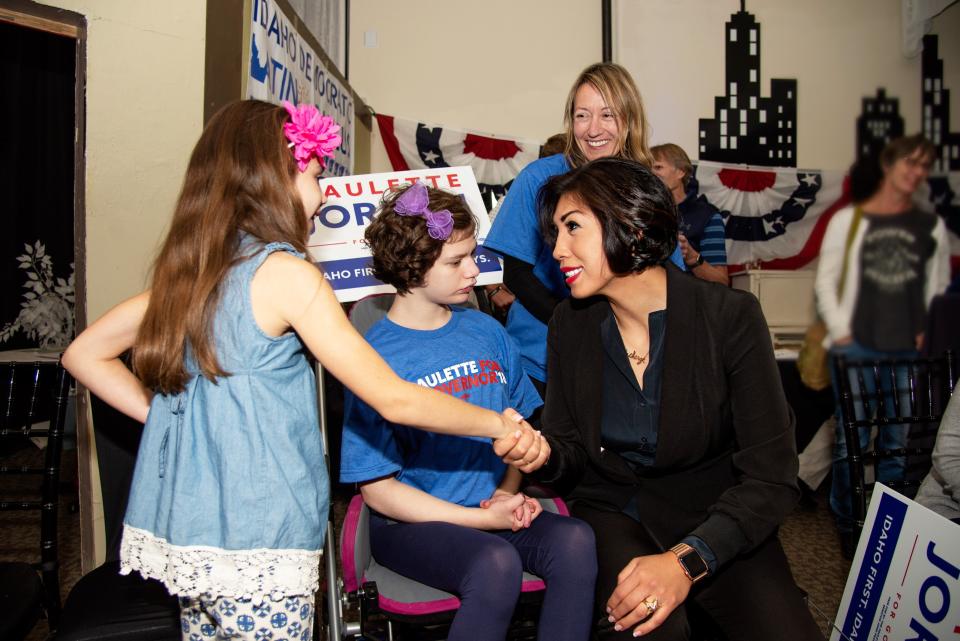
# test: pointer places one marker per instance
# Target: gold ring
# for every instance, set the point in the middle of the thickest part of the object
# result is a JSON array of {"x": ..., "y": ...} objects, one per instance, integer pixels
[{"x": 652, "y": 603}]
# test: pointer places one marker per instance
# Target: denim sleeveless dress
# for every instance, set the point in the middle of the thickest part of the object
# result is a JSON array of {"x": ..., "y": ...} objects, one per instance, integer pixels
[{"x": 231, "y": 491}]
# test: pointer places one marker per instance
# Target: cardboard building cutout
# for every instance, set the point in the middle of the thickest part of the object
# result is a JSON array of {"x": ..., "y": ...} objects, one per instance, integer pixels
[
  {"x": 936, "y": 110},
  {"x": 748, "y": 128},
  {"x": 879, "y": 122}
]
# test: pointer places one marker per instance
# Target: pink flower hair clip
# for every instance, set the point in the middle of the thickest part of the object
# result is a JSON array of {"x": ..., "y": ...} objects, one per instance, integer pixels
[
  {"x": 414, "y": 201},
  {"x": 310, "y": 134}
]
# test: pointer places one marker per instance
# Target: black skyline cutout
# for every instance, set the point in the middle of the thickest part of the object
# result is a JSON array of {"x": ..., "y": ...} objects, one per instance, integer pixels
[
  {"x": 879, "y": 122},
  {"x": 747, "y": 127},
  {"x": 936, "y": 110}
]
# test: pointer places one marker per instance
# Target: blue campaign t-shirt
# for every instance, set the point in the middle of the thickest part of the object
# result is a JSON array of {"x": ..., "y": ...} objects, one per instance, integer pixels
[
  {"x": 516, "y": 232},
  {"x": 472, "y": 358}
]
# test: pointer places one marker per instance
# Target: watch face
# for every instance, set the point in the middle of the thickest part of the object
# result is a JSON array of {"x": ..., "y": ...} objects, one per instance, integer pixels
[{"x": 692, "y": 562}]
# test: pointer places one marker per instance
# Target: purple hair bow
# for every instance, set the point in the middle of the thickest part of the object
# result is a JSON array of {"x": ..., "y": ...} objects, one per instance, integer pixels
[{"x": 414, "y": 201}]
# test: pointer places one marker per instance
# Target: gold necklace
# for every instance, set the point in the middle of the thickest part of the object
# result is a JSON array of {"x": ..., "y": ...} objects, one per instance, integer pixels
[{"x": 639, "y": 360}]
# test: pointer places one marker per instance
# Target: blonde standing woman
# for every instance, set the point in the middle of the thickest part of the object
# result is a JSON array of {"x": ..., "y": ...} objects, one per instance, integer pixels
[{"x": 603, "y": 116}]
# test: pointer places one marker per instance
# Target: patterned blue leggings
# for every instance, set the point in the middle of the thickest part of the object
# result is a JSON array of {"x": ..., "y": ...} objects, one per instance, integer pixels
[{"x": 212, "y": 619}]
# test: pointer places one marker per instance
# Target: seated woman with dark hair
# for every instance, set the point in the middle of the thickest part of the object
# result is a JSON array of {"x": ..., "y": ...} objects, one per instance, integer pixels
[{"x": 668, "y": 426}]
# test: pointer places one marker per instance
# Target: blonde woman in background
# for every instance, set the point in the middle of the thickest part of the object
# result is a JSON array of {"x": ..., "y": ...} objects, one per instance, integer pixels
[{"x": 603, "y": 116}]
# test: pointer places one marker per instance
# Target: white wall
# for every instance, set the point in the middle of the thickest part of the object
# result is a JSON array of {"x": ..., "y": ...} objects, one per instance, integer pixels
[
  {"x": 500, "y": 66},
  {"x": 838, "y": 50},
  {"x": 144, "y": 114},
  {"x": 505, "y": 67}
]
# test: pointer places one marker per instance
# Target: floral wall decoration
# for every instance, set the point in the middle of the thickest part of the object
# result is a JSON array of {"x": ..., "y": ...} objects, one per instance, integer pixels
[{"x": 46, "y": 312}]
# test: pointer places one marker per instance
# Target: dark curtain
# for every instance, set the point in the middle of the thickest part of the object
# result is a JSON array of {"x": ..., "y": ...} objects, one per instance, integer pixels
[{"x": 38, "y": 72}]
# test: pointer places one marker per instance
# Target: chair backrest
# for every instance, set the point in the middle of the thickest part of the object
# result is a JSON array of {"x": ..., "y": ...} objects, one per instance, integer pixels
[
  {"x": 885, "y": 394},
  {"x": 33, "y": 404},
  {"x": 943, "y": 319},
  {"x": 117, "y": 438},
  {"x": 365, "y": 313},
  {"x": 104, "y": 604}
]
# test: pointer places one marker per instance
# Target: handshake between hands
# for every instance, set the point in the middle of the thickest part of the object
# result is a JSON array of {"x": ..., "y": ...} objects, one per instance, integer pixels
[
  {"x": 520, "y": 445},
  {"x": 527, "y": 450}
]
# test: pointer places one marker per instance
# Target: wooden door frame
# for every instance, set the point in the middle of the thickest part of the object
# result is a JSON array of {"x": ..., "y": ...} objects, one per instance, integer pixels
[{"x": 69, "y": 24}]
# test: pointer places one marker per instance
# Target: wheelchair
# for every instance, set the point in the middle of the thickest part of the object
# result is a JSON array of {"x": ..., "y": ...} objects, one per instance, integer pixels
[{"x": 370, "y": 601}]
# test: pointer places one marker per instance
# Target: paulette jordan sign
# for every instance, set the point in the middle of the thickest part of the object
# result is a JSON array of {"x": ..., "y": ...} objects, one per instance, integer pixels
[
  {"x": 337, "y": 245},
  {"x": 904, "y": 583}
]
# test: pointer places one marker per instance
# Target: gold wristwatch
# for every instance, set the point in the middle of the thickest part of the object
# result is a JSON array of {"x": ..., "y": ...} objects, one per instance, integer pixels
[{"x": 691, "y": 562}]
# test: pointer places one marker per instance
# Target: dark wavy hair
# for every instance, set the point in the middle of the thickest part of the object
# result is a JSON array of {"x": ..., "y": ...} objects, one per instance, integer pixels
[
  {"x": 635, "y": 210},
  {"x": 403, "y": 251}
]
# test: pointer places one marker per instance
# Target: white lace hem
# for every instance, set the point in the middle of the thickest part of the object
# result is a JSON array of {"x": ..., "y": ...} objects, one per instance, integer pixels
[{"x": 201, "y": 570}]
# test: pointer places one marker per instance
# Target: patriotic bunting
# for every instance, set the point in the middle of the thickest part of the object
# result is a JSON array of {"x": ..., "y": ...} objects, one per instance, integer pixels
[
  {"x": 775, "y": 217},
  {"x": 943, "y": 194},
  {"x": 495, "y": 161}
]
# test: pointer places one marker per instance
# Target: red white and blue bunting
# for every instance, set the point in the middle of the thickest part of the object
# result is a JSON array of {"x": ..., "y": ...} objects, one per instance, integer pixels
[
  {"x": 775, "y": 217},
  {"x": 417, "y": 145},
  {"x": 943, "y": 194}
]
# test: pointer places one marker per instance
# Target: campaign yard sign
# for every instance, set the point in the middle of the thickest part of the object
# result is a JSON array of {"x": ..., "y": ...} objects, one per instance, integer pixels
[
  {"x": 283, "y": 66},
  {"x": 904, "y": 583},
  {"x": 337, "y": 246}
]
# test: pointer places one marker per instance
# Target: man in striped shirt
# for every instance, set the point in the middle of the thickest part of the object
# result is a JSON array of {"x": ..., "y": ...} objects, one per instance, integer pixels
[{"x": 701, "y": 238}]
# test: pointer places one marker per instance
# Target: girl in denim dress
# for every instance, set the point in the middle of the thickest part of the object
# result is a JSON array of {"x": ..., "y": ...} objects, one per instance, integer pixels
[{"x": 230, "y": 493}]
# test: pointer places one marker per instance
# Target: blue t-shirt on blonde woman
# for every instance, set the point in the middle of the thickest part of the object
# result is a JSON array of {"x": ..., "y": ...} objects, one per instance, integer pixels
[{"x": 472, "y": 358}]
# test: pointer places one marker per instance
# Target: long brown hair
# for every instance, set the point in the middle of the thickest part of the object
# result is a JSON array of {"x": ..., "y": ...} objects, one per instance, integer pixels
[
  {"x": 240, "y": 178},
  {"x": 620, "y": 93}
]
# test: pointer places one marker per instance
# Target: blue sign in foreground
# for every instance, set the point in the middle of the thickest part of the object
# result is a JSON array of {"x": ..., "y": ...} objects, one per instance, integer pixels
[{"x": 876, "y": 565}]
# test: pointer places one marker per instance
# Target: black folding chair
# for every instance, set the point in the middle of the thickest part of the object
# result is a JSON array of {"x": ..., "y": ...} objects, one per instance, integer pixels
[
  {"x": 887, "y": 394},
  {"x": 105, "y": 605},
  {"x": 31, "y": 394}
]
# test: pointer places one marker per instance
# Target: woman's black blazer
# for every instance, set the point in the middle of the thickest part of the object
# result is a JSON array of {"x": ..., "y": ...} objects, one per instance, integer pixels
[{"x": 726, "y": 462}]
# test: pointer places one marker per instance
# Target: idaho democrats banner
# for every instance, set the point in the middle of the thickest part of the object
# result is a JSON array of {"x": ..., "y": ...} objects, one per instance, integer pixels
[
  {"x": 905, "y": 579},
  {"x": 284, "y": 67},
  {"x": 337, "y": 244}
]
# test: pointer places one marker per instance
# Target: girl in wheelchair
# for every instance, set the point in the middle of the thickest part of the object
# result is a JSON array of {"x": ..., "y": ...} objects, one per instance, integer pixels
[{"x": 445, "y": 510}]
